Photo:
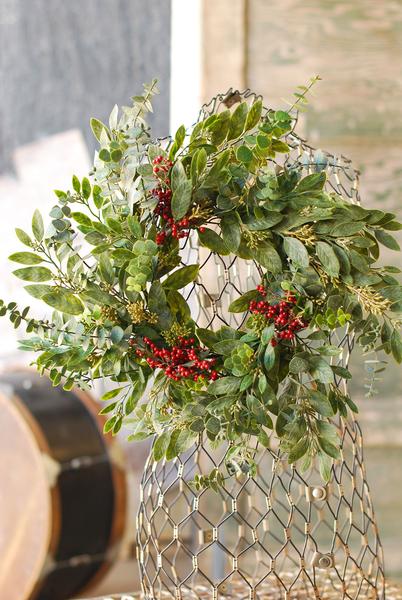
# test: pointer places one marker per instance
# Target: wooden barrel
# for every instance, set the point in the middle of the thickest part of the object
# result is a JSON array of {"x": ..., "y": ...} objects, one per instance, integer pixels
[{"x": 62, "y": 496}]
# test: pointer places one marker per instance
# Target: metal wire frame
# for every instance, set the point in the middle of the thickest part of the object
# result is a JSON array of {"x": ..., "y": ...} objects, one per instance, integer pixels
[{"x": 280, "y": 535}]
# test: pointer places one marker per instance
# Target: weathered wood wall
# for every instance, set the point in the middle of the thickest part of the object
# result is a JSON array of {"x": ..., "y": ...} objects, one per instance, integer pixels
[
  {"x": 63, "y": 62},
  {"x": 356, "y": 47}
]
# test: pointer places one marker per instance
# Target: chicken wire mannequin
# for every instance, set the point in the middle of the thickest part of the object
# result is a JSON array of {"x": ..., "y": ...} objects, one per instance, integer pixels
[{"x": 278, "y": 535}]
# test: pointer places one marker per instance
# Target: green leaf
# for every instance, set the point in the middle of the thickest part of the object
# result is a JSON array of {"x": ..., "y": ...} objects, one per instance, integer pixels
[
  {"x": 244, "y": 154},
  {"x": 396, "y": 345},
  {"x": 321, "y": 403},
  {"x": 246, "y": 382},
  {"x": 25, "y": 258},
  {"x": 262, "y": 383},
  {"x": 312, "y": 183},
  {"x": 104, "y": 155},
  {"x": 269, "y": 357},
  {"x": 86, "y": 188},
  {"x": 346, "y": 229},
  {"x": 97, "y": 128},
  {"x": 197, "y": 425},
  {"x": 81, "y": 219},
  {"x": 320, "y": 369},
  {"x": 224, "y": 385},
  {"x": 134, "y": 226},
  {"x": 181, "y": 199},
  {"x": 328, "y": 350},
  {"x": 263, "y": 141},
  {"x": 108, "y": 409},
  {"x": 94, "y": 294},
  {"x": 279, "y": 146},
  {"x": 184, "y": 441},
  {"x": 116, "y": 334},
  {"x": 358, "y": 261},
  {"x": 298, "y": 450},
  {"x": 226, "y": 346},
  {"x": 147, "y": 247},
  {"x": 207, "y": 337},
  {"x": 122, "y": 255},
  {"x": 178, "y": 306},
  {"x": 231, "y": 231},
  {"x": 37, "y": 226},
  {"x": 267, "y": 334},
  {"x": 254, "y": 115},
  {"x": 38, "y": 291},
  {"x": 181, "y": 277},
  {"x": 161, "y": 445},
  {"x": 263, "y": 439},
  {"x": 341, "y": 371},
  {"x": 23, "y": 237},
  {"x": 329, "y": 448},
  {"x": 264, "y": 220},
  {"x": 76, "y": 184},
  {"x": 298, "y": 365},
  {"x": 201, "y": 161},
  {"x": 177, "y": 175},
  {"x": 296, "y": 251},
  {"x": 110, "y": 423},
  {"x": 238, "y": 121},
  {"x": 241, "y": 304},
  {"x": 210, "y": 239},
  {"x": 386, "y": 239},
  {"x": 268, "y": 257},
  {"x": 213, "y": 425},
  {"x": 325, "y": 466},
  {"x": 37, "y": 274},
  {"x": 106, "y": 268},
  {"x": 64, "y": 301},
  {"x": 328, "y": 258},
  {"x": 111, "y": 394},
  {"x": 116, "y": 155},
  {"x": 180, "y": 135}
]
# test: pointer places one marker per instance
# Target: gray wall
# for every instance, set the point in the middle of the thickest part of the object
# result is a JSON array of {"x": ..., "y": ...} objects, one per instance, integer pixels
[{"x": 63, "y": 61}]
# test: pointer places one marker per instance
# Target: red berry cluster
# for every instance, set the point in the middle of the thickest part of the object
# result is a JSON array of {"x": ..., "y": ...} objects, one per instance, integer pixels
[
  {"x": 184, "y": 360},
  {"x": 281, "y": 314},
  {"x": 162, "y": 166},
  {"x": 171, "y": 228}
]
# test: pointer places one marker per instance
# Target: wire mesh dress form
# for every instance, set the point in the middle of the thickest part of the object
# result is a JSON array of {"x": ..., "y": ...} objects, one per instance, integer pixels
[{"x": 280, "y": 535}]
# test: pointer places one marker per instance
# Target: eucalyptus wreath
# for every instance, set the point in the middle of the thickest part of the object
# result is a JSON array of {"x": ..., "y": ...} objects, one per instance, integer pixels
[{"x": 110, "y": 265}]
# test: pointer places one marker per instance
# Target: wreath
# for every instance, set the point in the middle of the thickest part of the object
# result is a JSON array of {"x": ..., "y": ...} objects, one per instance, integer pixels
[{"x": 110, "y": 265}]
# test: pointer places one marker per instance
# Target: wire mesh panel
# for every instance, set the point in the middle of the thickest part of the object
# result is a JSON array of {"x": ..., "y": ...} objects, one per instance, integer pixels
[{"x": 280, "y": 534}]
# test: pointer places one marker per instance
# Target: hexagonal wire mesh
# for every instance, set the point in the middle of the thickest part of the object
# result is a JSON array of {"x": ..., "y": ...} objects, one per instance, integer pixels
[{"x": 280, "y": 534}]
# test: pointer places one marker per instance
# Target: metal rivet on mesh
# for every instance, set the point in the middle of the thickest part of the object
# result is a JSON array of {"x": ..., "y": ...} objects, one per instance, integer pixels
[
  {"x": 322, "y": 561},
  {"x": 316, "y": 493}
]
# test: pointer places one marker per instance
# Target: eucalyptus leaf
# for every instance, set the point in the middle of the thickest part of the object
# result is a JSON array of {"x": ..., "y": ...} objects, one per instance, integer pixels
[
  {"x": 37, "y": 274},
  {"x": 64, "y": 301},
  {"x": 26, "y": 258},
  {"x": 37, "y": 226}
]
